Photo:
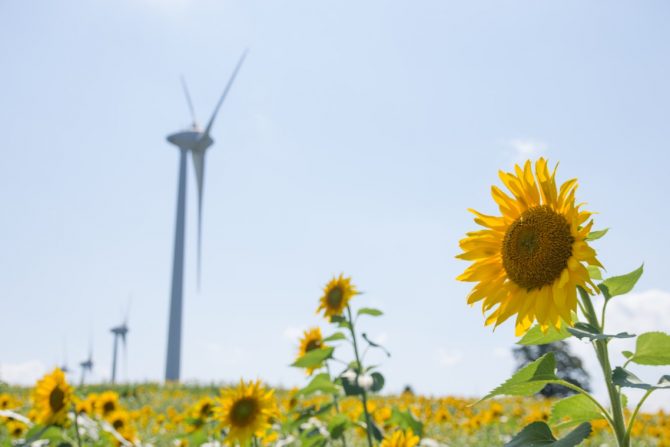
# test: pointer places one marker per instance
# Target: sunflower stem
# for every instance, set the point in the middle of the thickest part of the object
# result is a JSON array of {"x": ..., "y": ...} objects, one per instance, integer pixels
[
  {"x": 35, "y": 437},
  {"x": 359, "y": 369},
  {"x": 336, "y": 403},
  {"x": 602, "y": 353},
  {"x": 76, "y": 425},
  {"x": 631, "y": 421}
]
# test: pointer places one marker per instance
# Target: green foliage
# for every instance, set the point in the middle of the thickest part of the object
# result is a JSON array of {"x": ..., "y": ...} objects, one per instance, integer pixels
[
  {"x": 596, "y": 234},
  {"x": 620, "y": 285},
  {"x": 535, "y": 336},
  {"x": 574, "y": 410},
  {"x": 588, "y": 331},
  {"x": 369, "y": 311},
  {"x": 539, "y": 434},
  {"x": 319, "y": 383},
  {"x": 651, "y": 348},
  {"x": 568, "y": 366},
  {"x": 406, "y": 420},
  {"x": 335, "y": 337},
  {"x": 378, "y": 382},
  {"x": 528, "y": 380},
  {"x": 594, "y": 272},
  {"x": 314, "y": 358},
  {"x": 625, "y": 378},
  {"x": 338, "y": 425}
]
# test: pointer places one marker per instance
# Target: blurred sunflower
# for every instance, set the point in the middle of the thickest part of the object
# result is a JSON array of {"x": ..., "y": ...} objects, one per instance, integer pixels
[
  {"x": 52, "y": 398},
  {"x": 246, "y": 410},
  {"x": 16, "y": 429},
  {"x": 400, "y": 438},
  {"x": 7, "y": 402},
  {"x": 120, "y": 421},
  {"x": 87, "y": 405},
  {"x": 336, "y": 296},
  {"x": 529, "y": 261},
  {"x": 311, "y": 340},
  {"x": 107, "y": 403}
]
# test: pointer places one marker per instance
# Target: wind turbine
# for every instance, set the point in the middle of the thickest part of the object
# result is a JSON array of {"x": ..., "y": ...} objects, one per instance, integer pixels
[
  {"x": 87, "y": 365},
  {"x": 196, "y": 141},
  {"x": 119, "y": 331}
]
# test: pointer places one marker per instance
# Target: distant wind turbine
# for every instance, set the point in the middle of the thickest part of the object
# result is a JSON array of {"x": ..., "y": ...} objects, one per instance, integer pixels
[
  {"x": 196, "y": 141},
  {"x": 120, "y": 332},
  {"x": 87, "y": 365}
]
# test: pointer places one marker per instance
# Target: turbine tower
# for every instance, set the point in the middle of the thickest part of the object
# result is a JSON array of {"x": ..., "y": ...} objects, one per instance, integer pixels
[
  {"x": 119, "y": 332},
  {"x": 196, "y": 141}
]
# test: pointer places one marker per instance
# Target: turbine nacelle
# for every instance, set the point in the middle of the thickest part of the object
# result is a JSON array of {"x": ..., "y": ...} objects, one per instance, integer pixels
[{"x": 192, "y": 139}]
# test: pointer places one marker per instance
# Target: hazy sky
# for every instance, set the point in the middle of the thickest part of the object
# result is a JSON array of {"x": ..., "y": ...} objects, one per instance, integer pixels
[{"x": 353, "y": 141}]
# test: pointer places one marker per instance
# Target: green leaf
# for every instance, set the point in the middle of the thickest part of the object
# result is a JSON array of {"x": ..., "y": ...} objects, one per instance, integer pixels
[
  {"x": 406, "y": 420},
  {"x": 539, "y": 434},
  {"x": 625, "y": 378},
  {"x": 369, "y": 311},
  {"x": 335, "y": 337},
  {"x": 535, "y": 336},
  {"x": 377, "y": 382},
  {"x": 314, "y": 358},
  {"x": 619, "y": 285},
  {"x": 594, "y": 272},
  {"x": 320, "y": 382},
  {"x": 652, "y": 348},
  {"x": 586, "y": 330},
  {"x": 576, "y": 409},
  {"x": 337, "y": 425},
  {"x": 528, "y": 380},
  {"x": 597, "y": 234}
]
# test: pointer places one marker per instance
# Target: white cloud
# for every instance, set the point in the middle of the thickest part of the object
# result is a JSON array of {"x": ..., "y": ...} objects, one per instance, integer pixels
[
  {"x": 449, "y": 357},
  {"x": 639, "y": 312},
  {"x": 26, "y": 373},
  {"x": 525, "y": 148}
]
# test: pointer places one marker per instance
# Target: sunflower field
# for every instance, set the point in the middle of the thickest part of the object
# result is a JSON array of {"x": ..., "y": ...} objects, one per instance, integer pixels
[
  {"x": 152, "y": 414},
  {"x": 533, "y": 263}
]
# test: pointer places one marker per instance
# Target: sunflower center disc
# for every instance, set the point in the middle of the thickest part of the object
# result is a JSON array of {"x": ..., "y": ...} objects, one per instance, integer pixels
[
  {"x": 56, "y": 400},
  {"x": 312, "y": 345},
  {"x": 335, "y": 297},
  {"x": 536, "y": 247},
  {"x": 108, "y": 407},
  {"x": 243, "y": 412}
]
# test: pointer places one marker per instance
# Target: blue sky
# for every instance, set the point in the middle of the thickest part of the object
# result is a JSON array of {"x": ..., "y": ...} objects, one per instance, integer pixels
[{"x": 353, "y": 141}]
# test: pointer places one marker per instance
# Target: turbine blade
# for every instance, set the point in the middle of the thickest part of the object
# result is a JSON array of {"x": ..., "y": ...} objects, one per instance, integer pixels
[
  {"x": 225, "y": 92},
  {"x": 188, "y": 100},
  {"x": 199, "y": 167}
]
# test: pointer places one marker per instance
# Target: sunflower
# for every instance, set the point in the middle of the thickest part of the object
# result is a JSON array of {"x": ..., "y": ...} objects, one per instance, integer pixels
[
  {"x": 199, "y": 414},
  {"x": 52, "y": 398},
  {"x": 87, "y": 406},
  {"x": 16, "y": 429},
  {"x": 246, "y": 410},
  {"x": 107, "y": 403},
  {"x": 336, "y": 296},
  {"x": 400, "y": 438},
  {"x": 120, "y": 421},
  {"x": 529, "y": 261},
  {"x": 311, "y": 340}
]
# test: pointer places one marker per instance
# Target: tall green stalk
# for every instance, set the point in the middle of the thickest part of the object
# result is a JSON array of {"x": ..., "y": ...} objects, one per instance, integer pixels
[
  {"x": 359, "y": 367},
  {"x": 613, "y": 391}
]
